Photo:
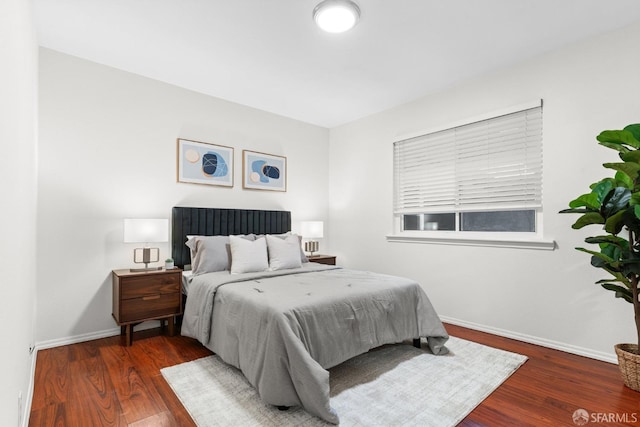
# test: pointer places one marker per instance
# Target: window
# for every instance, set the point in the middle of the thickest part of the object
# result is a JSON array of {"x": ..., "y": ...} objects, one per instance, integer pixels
[{"x": 485, "y": 176}]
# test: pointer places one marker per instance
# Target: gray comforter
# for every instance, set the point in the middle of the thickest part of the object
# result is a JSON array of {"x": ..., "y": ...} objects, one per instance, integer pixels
[{"x": 284, "y": 329}]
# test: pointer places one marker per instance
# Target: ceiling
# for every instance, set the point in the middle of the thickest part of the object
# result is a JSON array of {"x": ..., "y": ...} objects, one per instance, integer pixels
[{"x": 268, "y": 54}]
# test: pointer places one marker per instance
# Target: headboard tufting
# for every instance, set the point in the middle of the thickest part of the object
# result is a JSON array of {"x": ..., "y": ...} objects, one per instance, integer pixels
[{"x": 221, "y": 222}]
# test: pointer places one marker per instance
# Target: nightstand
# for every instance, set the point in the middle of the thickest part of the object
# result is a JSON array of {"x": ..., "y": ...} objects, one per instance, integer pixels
[
  {"x": 142, "y": 296},
  {"x": 323, "y": 259}
]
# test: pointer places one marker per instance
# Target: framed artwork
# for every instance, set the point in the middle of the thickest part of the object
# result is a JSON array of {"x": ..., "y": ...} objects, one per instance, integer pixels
[
  {"x": 262, "y": 171},
  {"x": 203, "y": 163}
]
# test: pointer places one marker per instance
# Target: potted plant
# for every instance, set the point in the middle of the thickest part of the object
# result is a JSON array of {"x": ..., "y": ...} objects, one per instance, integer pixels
[
  {"x": 614, "y": 203},
  {"x": 168, "y": 264}
]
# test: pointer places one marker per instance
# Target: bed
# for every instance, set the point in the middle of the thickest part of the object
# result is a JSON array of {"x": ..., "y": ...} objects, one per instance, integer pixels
[{"x": 284, "y": 325}]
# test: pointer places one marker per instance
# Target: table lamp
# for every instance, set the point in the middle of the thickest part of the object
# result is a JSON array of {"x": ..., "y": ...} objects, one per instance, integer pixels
[
  {"x": 146, "y": 231},
  {"x": 312, "y": 230}
]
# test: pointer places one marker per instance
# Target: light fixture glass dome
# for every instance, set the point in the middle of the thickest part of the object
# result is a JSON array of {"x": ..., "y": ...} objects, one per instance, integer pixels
[{"x": 336, "y": 16}]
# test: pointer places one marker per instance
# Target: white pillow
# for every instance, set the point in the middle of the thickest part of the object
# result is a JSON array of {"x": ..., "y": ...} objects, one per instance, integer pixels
[
  {"x": 248, "y": 256},
  {"x": 284, "y": 253},
  {"x": 303, "y": 257}
]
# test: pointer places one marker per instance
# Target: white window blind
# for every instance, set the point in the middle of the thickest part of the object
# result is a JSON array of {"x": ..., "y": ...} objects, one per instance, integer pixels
[{"x": 491, "y": 164}]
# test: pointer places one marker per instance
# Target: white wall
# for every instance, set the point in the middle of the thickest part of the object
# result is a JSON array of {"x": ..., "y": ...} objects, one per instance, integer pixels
[
  {"x": 18, "y": 118},
  {"x": 108, "y": 151},
  {"x": 543, "y": 296}
]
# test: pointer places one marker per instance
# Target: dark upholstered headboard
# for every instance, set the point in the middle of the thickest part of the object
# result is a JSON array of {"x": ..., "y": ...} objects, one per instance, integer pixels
[{"x": 221, "y": 222}]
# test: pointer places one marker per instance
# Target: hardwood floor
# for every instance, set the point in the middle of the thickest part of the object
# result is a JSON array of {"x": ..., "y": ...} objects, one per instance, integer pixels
[
  {"x": 102, "y": 383},
  {"x": 550, "y": 387}
]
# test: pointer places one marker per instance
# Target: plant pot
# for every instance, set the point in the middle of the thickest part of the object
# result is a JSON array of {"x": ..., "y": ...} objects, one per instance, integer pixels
[
  {"x": 629, "y": 364},
  {"x": 168, "y": 265}
]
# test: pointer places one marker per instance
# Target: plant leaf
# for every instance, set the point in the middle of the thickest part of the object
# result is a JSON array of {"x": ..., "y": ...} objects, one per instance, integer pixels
[
  {"x": 628, "y": 168},
  {"x": 631, "y": 156},
  {"x": 608, "y": 261},
  {"x": 601, "y": 281},
  {"x": 577, "y": 210},
  {"x": 616, "y": 201},
  {"x": 618, "y": 241},
  {"x": 602, "y": 188},
  {"x": 615, "y": 223},
  {"x": 619, "y": 277},
  {"x": 634, "y": 129},
  {"x": 620, "y": 291},
  {"x": 630, "y": 267},
  {"x": 635, "y": 199},
  {"x": 611, "y": 250},
  {"x": 623, "y": 180},
  {"x": 615, "y": 146},
  {"x": 588, "y": 219},
  {"x": 589, "y": 200},
  {"x": 619, "y": 136}
]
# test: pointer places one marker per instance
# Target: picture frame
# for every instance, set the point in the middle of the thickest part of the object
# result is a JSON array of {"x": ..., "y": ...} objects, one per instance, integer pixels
[
  {"x": 204, "y": 163},
  {"x": 261, "y": 171}
]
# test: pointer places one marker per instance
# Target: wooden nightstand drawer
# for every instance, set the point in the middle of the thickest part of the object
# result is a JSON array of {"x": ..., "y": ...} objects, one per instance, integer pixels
[
  {"x": 140, "y": 286},
  {"x": 149, "y": 307}
]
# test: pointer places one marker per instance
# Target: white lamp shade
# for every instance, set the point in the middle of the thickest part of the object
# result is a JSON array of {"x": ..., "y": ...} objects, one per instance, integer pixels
[
  {"x": 146, "y": 230},
  {"x": 312, "y": 229}
]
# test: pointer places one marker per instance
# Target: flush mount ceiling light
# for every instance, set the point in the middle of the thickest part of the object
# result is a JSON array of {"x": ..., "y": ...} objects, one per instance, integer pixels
[{"x": 336, "y": 16}]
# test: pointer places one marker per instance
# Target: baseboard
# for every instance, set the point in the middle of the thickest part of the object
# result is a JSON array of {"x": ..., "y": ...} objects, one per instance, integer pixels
[
  {"x": 90, "y": 336},
  {"x": 26, "y": 402},
  {"x": 580, "y": 351},
  {"x": 58, "y": 342}
]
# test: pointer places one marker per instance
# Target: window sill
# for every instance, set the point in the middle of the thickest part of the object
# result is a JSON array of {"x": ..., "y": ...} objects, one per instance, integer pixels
[{"x": 522, "y": 243}]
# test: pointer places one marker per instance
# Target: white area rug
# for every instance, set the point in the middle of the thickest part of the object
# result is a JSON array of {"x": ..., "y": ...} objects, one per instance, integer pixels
[{"x": 391, "y": 386}]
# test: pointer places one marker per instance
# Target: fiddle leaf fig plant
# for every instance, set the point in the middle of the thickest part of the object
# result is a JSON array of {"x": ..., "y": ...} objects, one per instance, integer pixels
[{"x": 614, "y": 203}]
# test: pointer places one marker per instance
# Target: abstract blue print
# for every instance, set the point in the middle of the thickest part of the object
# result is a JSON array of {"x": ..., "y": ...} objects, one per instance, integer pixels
[
  {"x": 213, "y": 164},
  {"x": 264, "y": 171},
  {"x": 203, "y": 163}
]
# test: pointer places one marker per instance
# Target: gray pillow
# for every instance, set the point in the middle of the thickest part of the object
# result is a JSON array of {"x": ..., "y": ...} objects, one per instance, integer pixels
[{"x": 211, "y": 254}]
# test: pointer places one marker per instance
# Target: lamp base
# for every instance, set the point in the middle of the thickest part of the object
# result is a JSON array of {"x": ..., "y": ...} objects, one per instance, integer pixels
[
  {"x": 145, "y": 256},
  {"x": 311, "y": 247}
]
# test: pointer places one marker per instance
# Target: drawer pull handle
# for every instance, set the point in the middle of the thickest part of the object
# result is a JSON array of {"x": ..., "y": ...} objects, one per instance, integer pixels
[{"x": 151, "y": 297}]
